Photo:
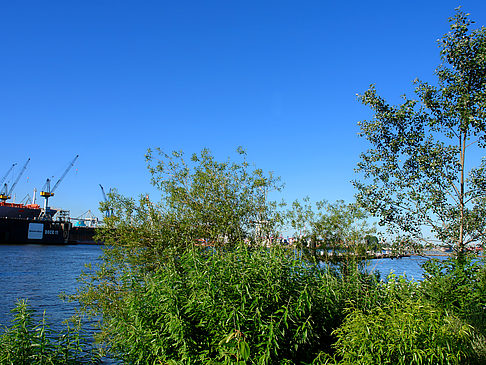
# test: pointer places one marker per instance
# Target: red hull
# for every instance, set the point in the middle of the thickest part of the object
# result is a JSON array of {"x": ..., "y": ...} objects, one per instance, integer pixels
[{"x": 12, "y": 210}]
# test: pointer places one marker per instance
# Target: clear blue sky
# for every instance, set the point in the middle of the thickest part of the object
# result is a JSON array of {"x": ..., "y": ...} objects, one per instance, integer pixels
[{"x": 108, "y": 79}]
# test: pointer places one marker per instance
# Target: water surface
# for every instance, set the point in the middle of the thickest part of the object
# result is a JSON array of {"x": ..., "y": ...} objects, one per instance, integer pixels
[{"x": 40, "y": 273}]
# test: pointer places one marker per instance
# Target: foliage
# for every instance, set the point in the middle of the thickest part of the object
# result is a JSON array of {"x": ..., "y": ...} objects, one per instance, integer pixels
[
  {"x": 203, "y": 201},
  {"x": 263, "y": 306},
  {"x": 193, "y": 280},
  {"x": 458, "y": 286},
  {"x": 415, "y": 174},
  {"x": 408, "y": 332},
  {"x": 268, "y": 306},
  {"x": 220, "y": 202},
  {"x": 27, "y": 342},
  {"x": 337, "y": 226}
]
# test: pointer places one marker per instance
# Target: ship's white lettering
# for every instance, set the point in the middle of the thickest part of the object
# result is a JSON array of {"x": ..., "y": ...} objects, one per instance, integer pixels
[
  {"x": 36, "y": 231},
  {"x": 51, "y": 231}
]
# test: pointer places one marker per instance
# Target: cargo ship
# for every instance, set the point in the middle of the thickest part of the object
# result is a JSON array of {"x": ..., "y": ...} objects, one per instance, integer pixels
[
  {"x": 82, "y": 235},
  {"x": 22, "y": 223},
  {"x": 29, "y": 223}
]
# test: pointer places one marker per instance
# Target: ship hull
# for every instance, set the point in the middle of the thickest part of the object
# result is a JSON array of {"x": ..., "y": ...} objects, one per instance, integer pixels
[
  {"x": 83, "y": 235},
  {"x": 9, "y": 211},
  {"x": 29, "y": 211},
  {"x": 31, "y": 231}
]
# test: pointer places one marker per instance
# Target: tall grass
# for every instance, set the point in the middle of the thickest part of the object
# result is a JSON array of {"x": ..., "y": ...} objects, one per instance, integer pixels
[
  {"x": 31, "y": 341},
  {"x": 257, "y": 305},
  {"x": 402, "y": 333}
]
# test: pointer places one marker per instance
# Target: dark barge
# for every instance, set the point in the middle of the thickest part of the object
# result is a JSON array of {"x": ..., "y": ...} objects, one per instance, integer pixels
[
  {"x": 49, "y": 232},
  {"x": 82, "y": 235}
]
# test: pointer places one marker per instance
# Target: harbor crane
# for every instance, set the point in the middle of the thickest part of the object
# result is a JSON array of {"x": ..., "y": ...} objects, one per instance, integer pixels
[
  {"x": 8, "y": 172},
  {"x": 109, "y": 211},
  {"x": 86, "y": 219},
  {"x": 6, "y": 193},
  {"x": 47, "y": 192}
]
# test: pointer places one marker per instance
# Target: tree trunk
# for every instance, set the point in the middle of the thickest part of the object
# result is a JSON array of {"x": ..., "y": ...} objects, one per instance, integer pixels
[{"x": 460, "y": 243}]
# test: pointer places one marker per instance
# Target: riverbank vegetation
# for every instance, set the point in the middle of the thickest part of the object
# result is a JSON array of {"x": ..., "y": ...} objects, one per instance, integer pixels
[
  {"x": 197, "y": 275},
  {"x": 259, "y": 305}
]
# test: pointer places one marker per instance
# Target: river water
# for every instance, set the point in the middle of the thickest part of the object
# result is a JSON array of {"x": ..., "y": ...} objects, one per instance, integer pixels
[
  {"x": 411, "y": 267},
  {"x": 40, "y": 273}
]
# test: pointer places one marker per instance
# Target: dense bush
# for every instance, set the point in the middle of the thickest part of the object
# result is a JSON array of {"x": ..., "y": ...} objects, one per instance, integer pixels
[
  {"x": 269, "y": 306},
  {"x": 165, "y": 298},
  {"x": 458, "y": 286},
  {"x": 409, "y": 332},
  {"x": 257, "y": 305}
]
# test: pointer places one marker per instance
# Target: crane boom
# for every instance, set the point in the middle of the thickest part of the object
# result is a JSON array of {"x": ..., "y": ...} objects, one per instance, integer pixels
[
  {"x": 103, "y": 192},
  {"x": 5, "y": 194},
  {"x": 64, "y": 174},
  {"x": 18, "y": 177},
  {"x": 8, "y": 172},
  {"x": 109, "y": 211}
]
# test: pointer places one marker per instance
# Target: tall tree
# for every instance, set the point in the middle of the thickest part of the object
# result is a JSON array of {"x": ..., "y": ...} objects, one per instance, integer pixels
[{"x": 415, "y": 174}]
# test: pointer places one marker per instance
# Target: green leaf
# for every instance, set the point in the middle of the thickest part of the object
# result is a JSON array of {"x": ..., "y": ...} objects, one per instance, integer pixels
[{"x": 244, "y": 350}]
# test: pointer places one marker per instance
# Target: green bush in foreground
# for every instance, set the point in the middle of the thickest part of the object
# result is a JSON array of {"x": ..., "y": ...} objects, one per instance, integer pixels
[
  {"x": 27, "y": 342},
  {"x": 409, "y": 332},
  {"x": 458, "y": 286},
  {"x": 260, "y": 306}
]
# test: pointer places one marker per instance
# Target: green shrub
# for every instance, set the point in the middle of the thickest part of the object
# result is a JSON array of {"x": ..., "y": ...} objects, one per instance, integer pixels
[
  {"x": 407, "y": 332},
  {"x": 458, "y": 286},
  {"x": 261, "y": 305}
]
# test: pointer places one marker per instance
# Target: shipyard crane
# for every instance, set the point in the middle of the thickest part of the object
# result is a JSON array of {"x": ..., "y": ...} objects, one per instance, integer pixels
[
  {"x": 6, "y": 193},
  {"x": 8, "y": 172},
  {"x": 109, "y": 211},
  {"x": 47, "y": 192},
  {"x": 86, "y": 219}
]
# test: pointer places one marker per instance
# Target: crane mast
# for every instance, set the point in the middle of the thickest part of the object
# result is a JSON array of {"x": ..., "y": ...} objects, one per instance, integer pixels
[
  {"x": 47, "y": 192},
  {"x": 109, "y": 211}
]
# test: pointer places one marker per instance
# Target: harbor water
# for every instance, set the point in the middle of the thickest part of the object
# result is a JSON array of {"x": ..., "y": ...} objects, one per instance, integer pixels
[
  {"x": 410, "y": 267},
  {"x": 40, "y": 273}
]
